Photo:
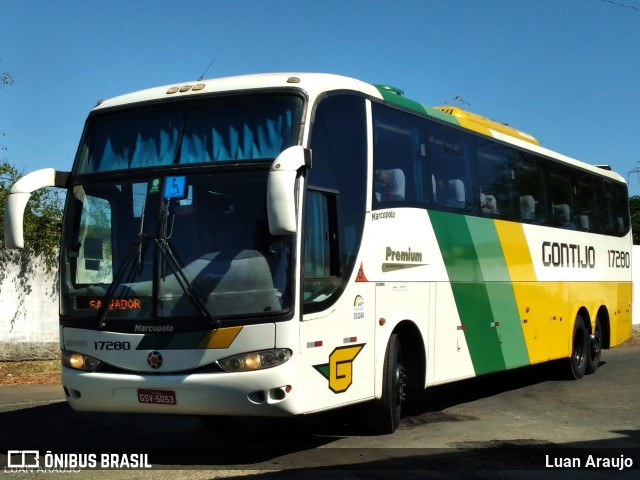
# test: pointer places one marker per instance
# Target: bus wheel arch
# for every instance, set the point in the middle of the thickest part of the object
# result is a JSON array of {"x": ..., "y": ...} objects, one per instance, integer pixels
[
  {"x": 414, "y": 353},
  {"x": 403, "y": 369}
]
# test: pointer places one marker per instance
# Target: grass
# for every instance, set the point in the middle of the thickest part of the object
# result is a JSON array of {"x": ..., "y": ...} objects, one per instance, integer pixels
[{"x": 30, "y": 372}]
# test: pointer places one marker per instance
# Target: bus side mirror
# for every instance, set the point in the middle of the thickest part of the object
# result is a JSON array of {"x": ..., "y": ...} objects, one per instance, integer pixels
[
  {"x": 19, "y": 196},
  {"x": 281, "y": 191}
]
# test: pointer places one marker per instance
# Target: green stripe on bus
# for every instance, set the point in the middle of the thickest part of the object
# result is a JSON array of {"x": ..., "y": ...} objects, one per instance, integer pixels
[
  {"x": 508, "y": 326},
  {"x": 469, "y": 291},
  {"x": 416, "y": 106},
  {"x": 506, "y": 319}
]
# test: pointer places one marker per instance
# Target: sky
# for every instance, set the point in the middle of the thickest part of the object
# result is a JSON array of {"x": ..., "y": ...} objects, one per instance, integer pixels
[{"x": 565, "y": 71}]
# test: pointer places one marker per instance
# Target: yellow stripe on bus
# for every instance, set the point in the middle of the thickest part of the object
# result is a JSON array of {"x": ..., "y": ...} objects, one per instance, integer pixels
[
  {"x": 516, "y": 251},
  {"x": 219, "y": 338},
  {"x": 537, "y": 302}
]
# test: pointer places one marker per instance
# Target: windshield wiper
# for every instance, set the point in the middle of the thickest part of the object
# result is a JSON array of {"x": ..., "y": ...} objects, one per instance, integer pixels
[
  {"x": 126, "y": 261},
  {"x": 164, "y": 247},
  {"x": 134, "y": 253}
]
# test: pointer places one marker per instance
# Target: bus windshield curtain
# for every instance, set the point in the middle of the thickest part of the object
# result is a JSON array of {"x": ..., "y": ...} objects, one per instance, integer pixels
[
  {"x": 137, "y": 140},
  {"x": 223, "y": 134},
  {"x": 210, "y": 133}
]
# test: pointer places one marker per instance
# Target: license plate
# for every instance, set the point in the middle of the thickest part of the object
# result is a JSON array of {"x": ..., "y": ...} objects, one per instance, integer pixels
[{"x": 162, "y": 397}]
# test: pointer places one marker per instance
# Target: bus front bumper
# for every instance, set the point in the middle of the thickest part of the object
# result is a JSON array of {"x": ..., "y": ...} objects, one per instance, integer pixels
[{"x": 268, "y": 392}]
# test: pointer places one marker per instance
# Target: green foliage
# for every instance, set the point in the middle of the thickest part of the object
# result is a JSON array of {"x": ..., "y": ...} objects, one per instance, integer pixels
[
  {"x": 42, "y": 220},
  {"x": 634, "y": 210}
]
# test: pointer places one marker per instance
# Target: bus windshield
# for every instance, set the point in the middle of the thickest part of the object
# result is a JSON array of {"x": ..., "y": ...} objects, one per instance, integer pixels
[
  {"x": 173, "y": 246},
  {"x": 217, "y": 129}
]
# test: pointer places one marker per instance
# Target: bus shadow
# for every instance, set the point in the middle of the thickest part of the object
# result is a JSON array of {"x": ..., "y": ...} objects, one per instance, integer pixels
[
  {"x": 429, "y": 406},
  {"x": 183, "y": 440},
  {"x": 168, "y": 439}
]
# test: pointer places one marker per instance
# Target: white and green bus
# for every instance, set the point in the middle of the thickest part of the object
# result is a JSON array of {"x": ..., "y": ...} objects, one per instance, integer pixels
[{"x": 284, "y": 244}]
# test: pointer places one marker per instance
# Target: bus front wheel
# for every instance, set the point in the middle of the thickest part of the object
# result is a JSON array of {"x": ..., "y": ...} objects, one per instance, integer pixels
[
  {"x": 579, "y": 350},
  {"x": 385, "y": 413}
]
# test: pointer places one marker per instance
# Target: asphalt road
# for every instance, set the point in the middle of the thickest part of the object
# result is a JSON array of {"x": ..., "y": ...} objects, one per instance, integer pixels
[{"x": 518, "y": 424}]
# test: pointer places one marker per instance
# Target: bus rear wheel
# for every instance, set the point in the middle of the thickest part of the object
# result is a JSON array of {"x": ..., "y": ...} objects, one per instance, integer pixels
[
  {"x": 385, "y": 413},
  {"x": 579, "y": 350},
  {"x": 595, "y": 348}
]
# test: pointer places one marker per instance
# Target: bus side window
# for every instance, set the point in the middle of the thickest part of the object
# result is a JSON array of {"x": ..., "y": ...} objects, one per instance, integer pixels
[
  {"x": 529, "y": 186},
  {"x": 614, "y": 208},
  {"x": 398, "y": 158},
  {"x": 449, "y": 154},
  {"x": 584, "y": 203},
  {"x": 321, "y": 263},
  {"x": 496, "y": 179},
  {"x": 561, "y": 211}
]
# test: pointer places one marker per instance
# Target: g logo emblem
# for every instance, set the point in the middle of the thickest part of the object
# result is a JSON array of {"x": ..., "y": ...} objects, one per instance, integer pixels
[{"x": 339, "y": 370}]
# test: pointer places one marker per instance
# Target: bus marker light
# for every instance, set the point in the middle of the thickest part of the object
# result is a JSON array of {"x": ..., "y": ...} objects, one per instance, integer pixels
[
  {"x": 255, "y": 360},
  {"x": 462, "y": 327},
  {"x": 76, "y": 361},
  {"x": 79, "y": 361},
  {"x": 350, "y": 340},
  {"x": 382, "y": 321},
  {"x": 252, "y": 361}
]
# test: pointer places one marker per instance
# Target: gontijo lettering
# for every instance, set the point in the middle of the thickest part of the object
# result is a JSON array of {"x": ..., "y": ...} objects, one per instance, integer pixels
[{"x": 568, "y": 255}]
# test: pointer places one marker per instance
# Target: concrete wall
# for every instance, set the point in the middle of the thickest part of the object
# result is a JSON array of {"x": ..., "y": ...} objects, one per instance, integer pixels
[{"x": 29, "y": 313}]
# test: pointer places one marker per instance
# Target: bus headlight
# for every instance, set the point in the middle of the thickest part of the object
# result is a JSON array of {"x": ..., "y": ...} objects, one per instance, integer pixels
[
  {"x": 79, "y": 361},
  {"x": 255, "y": 360}
]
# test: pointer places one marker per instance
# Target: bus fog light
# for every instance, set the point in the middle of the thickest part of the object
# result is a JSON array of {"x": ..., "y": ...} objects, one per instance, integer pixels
[
  {"x": 255, "y": 360},
  {"x": 79, "y": 361}
]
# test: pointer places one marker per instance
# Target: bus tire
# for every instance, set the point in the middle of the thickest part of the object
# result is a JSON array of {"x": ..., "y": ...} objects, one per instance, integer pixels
[
  {"x": 579, "y": 350},
  {"x": 595, "y": 348},
  {"x": 385, "y": 413}
]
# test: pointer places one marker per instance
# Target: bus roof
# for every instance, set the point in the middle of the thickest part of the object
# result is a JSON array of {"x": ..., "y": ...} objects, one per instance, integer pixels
[
  {"x": 481, "y": 124},
  {"x": 317, "y": 83},
  {"x": 312, "y": 83}
]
